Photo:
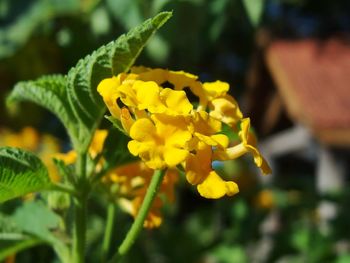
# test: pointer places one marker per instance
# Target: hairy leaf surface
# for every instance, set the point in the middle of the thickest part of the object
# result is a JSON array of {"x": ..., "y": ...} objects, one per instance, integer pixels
[
  {"x": 21, "y": 172},
  {"x": 115, "y": 57}
]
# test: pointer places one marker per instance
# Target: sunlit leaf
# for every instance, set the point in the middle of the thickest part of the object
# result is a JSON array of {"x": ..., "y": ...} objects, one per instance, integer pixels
[
  {"x": 116, "y": 57},
  {"x": 21, "y": 172},
  {"x": 49, "y": 92}
]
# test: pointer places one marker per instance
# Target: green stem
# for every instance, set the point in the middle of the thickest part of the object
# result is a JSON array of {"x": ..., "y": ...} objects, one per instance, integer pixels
[
  {"x": 108, "y": 231},
  {"x": 136, "y": 227},
  {"x": 63, "y": 188},
  {"x": 80, "y": 201}
]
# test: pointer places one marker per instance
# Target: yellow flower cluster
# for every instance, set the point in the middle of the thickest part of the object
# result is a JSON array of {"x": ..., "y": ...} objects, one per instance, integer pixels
[
  {"x": 130, "y": 184},
  {"x": 167, "y": 131}
]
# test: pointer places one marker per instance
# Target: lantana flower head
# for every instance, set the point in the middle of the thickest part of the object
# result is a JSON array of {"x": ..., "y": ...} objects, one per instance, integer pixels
[{"x": 167, "y": 131}]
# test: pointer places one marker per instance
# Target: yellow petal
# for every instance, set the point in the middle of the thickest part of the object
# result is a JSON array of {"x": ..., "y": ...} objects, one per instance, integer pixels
[
  {"x": 265, "y": 168},
  {"x": 226, "y": 110},
  {"x": 153, "y": 160},
  {"x": 214, "y": 187},
  {"x": 147, "y": 93},
  {"x": 68, "y": 158},
  {"x": 172, "y": 129},
  {"x": 244, "y": 132},
  {"x": 97, "y": 142},
  {"x": 108, "y": 89},
  {"x": 198, "y": 165},
  {"x": 143, "y": 130},
  {"x": 215, "y": 89},
  {"x": 205, "y": 124},
  {"x": 221, "y": 139},
  {"x": 135, "y": 147},
  {"x": 174, "y": 156},
  {"x": 230, "y": 153},
  {"x": 206, "y": 139},
  {"x": 126, "y": 119},
  {"x": 176, "y": 101}
]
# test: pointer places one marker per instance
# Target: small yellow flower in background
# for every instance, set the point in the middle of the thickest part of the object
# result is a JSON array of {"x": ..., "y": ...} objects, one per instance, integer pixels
[
  {"x": 167, "y": 131},
  {"x": 131, "y": 181},
  {"x": 265, "y": 199},
  {"x": 28, "y": 138}
]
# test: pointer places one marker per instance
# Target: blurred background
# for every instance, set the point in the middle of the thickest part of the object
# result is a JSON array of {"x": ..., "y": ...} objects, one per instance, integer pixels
[{"x": 288, "y": 65}]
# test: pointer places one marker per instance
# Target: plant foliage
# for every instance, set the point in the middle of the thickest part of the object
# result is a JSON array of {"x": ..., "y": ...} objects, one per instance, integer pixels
[
  {"x": 86, "y": 108},
  {"x": 21, "y": 172}
]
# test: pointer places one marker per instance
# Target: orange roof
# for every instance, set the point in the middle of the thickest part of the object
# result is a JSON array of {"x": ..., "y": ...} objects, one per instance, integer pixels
[{"x": 314, "y": 81}]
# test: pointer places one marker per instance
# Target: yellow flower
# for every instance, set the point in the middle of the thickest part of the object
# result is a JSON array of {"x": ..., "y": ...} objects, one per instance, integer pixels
[
  {"x": 108, "y": 89},
  {"x": 226, "y": 110},
  {"x": 167, "y": 131},
  {"x": 141, "y": 95},
  {"x": 28, "y": 138},
  {"x": 160, "y": 141},
  {"x": 200, "y": 172},
  {"x": 265, "y": 199},
  {"x": 205, "y": 129},
  {"x": 95, "y": 148},
  {"x": 214, "y": 187},
  {"x": 248, "y": 144},
  {"x": 132, "y": 181},
  {"x": 96, "y": 145},
  {"x": 175, "y": 101},
  {"x": 178, "y": 79},
  {"x": 211, "y": 91}
]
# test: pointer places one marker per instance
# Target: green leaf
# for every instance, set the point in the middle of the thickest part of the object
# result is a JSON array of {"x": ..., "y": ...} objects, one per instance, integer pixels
[
  {"x": 115, "y": 57},
  {"x": 37, "y": 219},
  {"x": 254, "y": 9},
  {"x": 21, "y": 172},
  {"x": 8, "y": 226},
  {"x": 49, "y": 92}
]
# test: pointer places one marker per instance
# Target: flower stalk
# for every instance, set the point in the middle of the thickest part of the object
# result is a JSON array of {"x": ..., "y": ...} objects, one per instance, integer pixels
[
  {"x": 141, "y": 216},
  {"x": 108, "y": 231},
  {"x": 80, "y": 204}
]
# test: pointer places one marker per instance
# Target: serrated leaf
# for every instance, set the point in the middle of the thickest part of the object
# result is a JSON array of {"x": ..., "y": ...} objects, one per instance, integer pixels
[
  {"x": 21, "y": 172},
  {"x": 49, "y": 92},
  {"x": 116, "y": 57}
]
